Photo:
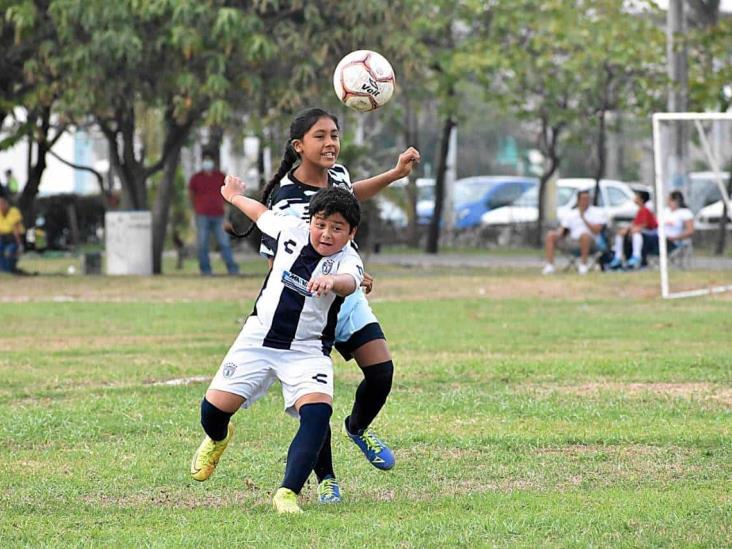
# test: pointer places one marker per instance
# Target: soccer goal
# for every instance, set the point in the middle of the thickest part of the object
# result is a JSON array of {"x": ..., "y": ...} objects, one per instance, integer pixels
[{"x": 693, "y": 154}]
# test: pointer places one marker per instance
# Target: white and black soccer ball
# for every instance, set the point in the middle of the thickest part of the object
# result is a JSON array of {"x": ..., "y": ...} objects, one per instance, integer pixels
[{"x": 364, "y": 80}]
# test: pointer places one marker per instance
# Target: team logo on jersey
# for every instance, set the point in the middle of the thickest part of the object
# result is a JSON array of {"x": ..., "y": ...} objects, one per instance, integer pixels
[
  {"x": 327, "y": 266},
  {"x": 229, "y": 369}
]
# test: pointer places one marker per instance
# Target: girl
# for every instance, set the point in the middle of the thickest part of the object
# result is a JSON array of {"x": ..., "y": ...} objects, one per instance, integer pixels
[{"x": 309, "y": 164}]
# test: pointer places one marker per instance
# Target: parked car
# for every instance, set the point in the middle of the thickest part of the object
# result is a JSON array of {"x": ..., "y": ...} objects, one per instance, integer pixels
[
  {"x": 473, "y": 196},
  {"x": 616, "y": 198},
  {"x": 702, "y": 189},
  {"x": 708, "y": 217}
]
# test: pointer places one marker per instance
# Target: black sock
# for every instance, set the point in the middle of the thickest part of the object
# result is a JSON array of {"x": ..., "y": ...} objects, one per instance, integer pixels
[
  {"x": 303, "y": 452},
  {"x": 370, "y": 396},
  {"x": 215, "y": 422},
  {"x": 324, "y": 466}
]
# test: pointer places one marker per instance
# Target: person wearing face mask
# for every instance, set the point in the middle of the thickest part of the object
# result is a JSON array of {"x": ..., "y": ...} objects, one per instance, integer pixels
[{"x": 208, "y": 205}]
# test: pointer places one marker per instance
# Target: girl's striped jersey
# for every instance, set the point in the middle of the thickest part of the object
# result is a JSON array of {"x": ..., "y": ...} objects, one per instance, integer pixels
[
  {"x": 292, "y": 197},
  {"x": 285, "y": 315}
]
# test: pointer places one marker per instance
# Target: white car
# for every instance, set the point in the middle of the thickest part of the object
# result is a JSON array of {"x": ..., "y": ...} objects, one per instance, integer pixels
[
  {"x": 616, "y": 198},
  {"x": 708, "y": 217}
]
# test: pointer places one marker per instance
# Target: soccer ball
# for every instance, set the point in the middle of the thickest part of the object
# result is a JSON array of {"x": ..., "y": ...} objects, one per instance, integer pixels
[{"x": 364, "y": 80}]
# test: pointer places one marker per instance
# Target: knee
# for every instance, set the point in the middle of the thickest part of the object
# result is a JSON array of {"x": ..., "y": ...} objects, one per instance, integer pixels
[
  {"x": 316, "y": 414},
  {"x": 380, "y": 375}
]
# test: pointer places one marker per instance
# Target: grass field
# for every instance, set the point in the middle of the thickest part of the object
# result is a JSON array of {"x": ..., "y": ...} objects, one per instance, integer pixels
[{"x": 525, "y": 411}]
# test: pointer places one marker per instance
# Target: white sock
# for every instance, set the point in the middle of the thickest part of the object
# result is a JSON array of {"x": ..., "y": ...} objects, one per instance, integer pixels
[
  {"x": 618, "y": 246},
  {"x": 637, "y": 244}
]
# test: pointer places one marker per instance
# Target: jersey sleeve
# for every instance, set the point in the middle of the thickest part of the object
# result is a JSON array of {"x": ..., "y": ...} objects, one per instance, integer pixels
[
  {"x": 272, "y": 224},
  {"x": 351, "y": 264}
]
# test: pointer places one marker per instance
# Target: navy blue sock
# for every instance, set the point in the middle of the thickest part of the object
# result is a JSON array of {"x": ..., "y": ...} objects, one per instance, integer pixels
[
  {"x": 215, "y": 422},
  {"x": 303, "y": 452},
  {"x": 324, "y": 466},
  {"x": 370, "y": 396}
]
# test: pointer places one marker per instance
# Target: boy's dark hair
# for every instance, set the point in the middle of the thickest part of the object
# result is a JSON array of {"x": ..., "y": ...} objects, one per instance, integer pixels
[
  {"x": 336, "y": 200},
  {"x": 645, "y": 196}
]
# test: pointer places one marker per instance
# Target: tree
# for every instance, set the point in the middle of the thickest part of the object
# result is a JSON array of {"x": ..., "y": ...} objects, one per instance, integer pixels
[
  {"x": 710, "y": 75},
  {"x": 558, "y": 65}
]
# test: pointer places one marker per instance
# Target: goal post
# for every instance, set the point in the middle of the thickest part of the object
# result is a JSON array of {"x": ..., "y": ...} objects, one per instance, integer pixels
[{"x": 661, "y": 190}]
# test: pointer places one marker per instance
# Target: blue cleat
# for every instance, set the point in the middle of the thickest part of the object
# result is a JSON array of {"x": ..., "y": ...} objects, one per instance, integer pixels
[
  {"x": 329, "y": 491},
  {"x": 616, "y": 263},
  {"x": 634, "y": 262},
  {"x": 377, "y": 453}
]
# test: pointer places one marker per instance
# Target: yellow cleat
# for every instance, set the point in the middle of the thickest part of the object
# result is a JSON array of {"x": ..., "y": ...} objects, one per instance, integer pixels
[
  {"x": 207, "y": 456},
  {"x": 285, "y": 501}
]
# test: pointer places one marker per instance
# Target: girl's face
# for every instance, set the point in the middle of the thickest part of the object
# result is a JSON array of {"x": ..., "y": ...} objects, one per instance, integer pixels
[
  {"x": 320, "y": 145},
  {"x": 673, "y": 204}
]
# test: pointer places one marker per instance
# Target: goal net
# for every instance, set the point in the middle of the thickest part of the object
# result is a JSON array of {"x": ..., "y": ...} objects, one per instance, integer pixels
[{"x": 693, "y": 156}]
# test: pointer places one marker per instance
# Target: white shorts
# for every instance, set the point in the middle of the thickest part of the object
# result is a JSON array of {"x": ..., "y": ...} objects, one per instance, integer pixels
[{"x": 249, "y": 370}]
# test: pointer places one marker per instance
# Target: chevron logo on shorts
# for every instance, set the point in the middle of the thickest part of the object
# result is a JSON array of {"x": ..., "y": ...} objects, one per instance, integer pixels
[{"x": 321, "y": 378}]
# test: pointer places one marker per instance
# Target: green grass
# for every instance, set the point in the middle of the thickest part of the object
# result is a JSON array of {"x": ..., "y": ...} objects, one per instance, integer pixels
[{"x": 515, "y": 421}]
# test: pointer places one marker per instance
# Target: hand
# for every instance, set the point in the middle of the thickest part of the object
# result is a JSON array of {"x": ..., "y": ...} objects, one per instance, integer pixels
[
  {"x": 321, "y": 285},
  {"x": 407, "y": 160},
  {"x": 368, "y": 283},
  {"x": 233, "y": 186}
]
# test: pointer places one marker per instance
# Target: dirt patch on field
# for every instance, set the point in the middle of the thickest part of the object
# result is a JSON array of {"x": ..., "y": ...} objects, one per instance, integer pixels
[
  {"x": 162, "y": 497},
  {"x": 690, "y": 390},
  {"x": 388, "y": 287}
]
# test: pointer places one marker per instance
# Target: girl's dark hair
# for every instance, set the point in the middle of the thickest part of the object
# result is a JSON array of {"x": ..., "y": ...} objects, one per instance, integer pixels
[
  {"x": 336, "y": 200},
  {"x": 678, "y": 196},
  {"x": 299, "y": 126}
]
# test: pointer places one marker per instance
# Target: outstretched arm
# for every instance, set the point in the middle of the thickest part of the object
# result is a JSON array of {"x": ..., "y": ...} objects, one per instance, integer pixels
[
  {"x": 233, "y": 192},
  {"x": 339, "y": 284},
  {"x": 367, "y": 188}
]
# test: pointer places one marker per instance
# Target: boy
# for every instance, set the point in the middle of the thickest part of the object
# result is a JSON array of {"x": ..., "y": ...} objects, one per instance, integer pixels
[{"x": 289, "y": 334}]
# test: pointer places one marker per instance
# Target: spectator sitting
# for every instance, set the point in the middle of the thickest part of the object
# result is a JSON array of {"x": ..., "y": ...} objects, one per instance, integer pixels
[
  {"x": 11, "y": 230},
  {"x": 643, "y": 223},
  {"x": 584, "y": 225},
  {"x": 679, "y": 225}
]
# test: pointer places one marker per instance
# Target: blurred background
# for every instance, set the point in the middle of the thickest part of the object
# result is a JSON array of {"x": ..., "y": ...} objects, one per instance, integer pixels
[{"x": 514, "y": 105}]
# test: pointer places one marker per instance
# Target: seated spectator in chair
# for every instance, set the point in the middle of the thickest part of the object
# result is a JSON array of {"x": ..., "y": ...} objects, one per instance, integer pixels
[
  {"x": 11, "y": 231},
  {"x": 644, "y": 223},
  {"x": 679, "y": 225},
  {"x": 584, "y": 224}
]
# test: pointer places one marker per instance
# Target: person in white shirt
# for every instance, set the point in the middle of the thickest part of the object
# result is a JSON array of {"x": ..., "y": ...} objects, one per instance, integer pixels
[
  {"x": 583, "y": 224},
  {"x": 679, "y": 225}
]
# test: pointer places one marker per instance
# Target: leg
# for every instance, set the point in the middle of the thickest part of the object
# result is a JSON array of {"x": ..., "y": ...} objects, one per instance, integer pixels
[
  {"x": 375, "y": 362},
  {"x": 4, "y": 267},
  {"x": 585, "y": 243},
  {"x": 202, "y": 228},
  {"x": 225, "y": 246},
  {"x": 315, "y": 410},
  {"x": 217, "y": 407},
  {"x": 550, "y": 244}
]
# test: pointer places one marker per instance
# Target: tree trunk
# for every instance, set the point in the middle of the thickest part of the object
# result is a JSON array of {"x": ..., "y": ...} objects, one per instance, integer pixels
[
  {"x": 41, "y": 129},
  {"x": 722, "y": 234},
  {"x": 548, "y": 141},
  {"x": 433, "y": 236},
  {"x": 411, "y": 136},
  {"x": 601, "y": 156},
  {"x": 161, "y": 209}
]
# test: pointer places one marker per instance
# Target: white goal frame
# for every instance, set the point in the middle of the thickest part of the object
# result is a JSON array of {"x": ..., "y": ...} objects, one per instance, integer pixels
[{"x": 697, "y": 117}]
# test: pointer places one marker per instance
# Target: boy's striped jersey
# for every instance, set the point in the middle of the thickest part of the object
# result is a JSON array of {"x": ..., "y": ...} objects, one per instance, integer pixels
[
  {"x": 292, "y": 197},
  {"x": 285, "y": 316}
]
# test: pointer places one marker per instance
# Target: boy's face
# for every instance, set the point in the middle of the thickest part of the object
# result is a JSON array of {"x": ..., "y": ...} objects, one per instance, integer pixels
[{"x": 328, "y": 235}]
